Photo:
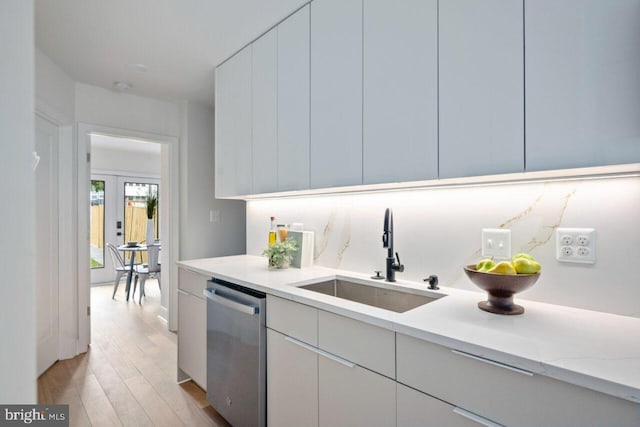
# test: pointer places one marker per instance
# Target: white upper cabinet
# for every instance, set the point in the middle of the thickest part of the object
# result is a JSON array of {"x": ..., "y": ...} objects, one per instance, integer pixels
[
  {"x": 400, "y": 109},
  {"x": 351, "y": 92},
  {"x": 582, "y": 83},
  {"x": 481, "y": 87},
  {"x": 336, "y": 93},
  {"x": 265, "y": 113},
  {"x": 293, "y": 102},
  {"x": 233, "y": 160}
]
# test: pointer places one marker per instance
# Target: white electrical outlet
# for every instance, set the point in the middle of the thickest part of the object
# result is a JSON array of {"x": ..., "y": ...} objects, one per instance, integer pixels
[
  {"x": 496, "y": 243},
  {"x": 576, "y": 245}
]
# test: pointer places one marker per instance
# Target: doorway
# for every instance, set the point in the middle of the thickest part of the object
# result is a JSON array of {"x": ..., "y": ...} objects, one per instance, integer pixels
[
  {"x": 118, "y": 215},
  {"x": 169, "y": 219}
]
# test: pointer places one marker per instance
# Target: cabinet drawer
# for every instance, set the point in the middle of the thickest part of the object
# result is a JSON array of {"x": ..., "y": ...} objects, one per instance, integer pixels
[
  {"x": 192, "y": 282},
  {"x": 361, "y": 343},
  {"x": 294, "y": 319},
  {"x": 506, "y": 395}
]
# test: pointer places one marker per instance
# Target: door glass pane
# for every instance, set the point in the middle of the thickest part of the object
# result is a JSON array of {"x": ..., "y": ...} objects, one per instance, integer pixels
[
  {"x": 97, "y": 223},
  {"x": 136, "y": 196}
]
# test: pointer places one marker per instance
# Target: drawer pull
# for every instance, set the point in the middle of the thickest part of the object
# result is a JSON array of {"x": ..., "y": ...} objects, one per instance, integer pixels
[
  {"x": 476, "y": 418},
  {"x": 301, "y": 344},
  {"x": 335, "y": 358},
  {"x": 491, "y": 362},
  {"x": 321, "y": 352},
  {"x": 181, "y": 292}
]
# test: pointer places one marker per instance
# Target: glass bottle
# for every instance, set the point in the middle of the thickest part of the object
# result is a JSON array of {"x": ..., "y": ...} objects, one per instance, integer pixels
[
  {"x": 282, "y": 232},
  {"x": 273, "y": 236}
]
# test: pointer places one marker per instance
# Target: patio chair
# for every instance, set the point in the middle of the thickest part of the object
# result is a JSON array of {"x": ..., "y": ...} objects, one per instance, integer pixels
[
  {"x": 145, "y": 271},
  {"x": 120, "y": 267}
]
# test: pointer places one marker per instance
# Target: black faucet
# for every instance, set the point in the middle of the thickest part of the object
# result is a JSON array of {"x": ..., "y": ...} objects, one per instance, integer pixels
[{"x": 387, "y": 242}]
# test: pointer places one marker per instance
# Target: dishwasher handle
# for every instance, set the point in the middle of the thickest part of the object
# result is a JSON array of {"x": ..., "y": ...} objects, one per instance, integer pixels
[{"x": 234, "y": 305}]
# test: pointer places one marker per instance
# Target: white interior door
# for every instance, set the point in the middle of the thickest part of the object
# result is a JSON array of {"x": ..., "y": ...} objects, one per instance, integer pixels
[{"x": 46, "y": 262}]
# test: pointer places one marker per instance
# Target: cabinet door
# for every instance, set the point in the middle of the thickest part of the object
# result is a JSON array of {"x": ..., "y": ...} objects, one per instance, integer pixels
[
  {"x": 419, "y": 409},
  {"x": 293, "y": 102},
  {"x": 481, "y": 87},
  {"x": 264, "y": 87},
  {"x": 400, "y": 110},
  {"x": 233, "y": 126},
  {"x": 583, "y": 90},
  {"x": 292, "y": 383},
  {"x": 192, "y": 337},
  {"x": 336, "y": 93},
  {"x": 352, "y": 396}
]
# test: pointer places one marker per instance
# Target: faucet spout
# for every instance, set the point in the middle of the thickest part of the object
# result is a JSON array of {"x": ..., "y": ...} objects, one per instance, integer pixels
[
  {"x": 387, "y": 243},
  {"x": 387, "y": 235}
]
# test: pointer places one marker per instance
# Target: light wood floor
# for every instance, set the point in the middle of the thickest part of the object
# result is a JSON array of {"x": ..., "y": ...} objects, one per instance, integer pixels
[{"x": 128, "y": 377}]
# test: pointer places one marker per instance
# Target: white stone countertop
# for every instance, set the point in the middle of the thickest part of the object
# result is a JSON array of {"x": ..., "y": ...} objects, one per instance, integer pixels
[{"x": 599, "y": 351}]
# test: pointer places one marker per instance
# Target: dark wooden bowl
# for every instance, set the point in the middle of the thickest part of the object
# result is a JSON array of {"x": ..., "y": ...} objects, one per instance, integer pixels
[{"x": 500, "y": 288}]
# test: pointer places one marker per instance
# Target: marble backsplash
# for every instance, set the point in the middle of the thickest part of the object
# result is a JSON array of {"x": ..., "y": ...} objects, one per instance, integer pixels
[{"x": 437, "y": 231}]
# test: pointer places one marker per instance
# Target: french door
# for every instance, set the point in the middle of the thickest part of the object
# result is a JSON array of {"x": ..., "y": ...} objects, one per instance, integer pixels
[{"x": 118, "y": 215}]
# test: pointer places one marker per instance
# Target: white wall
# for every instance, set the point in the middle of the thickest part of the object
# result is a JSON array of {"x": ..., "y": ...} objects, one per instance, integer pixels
[
  {"x": 438, "y": 232},
  {"x": 98, "y": 106},
  {"x": 125, "y": 162},
  {"x": 17, "y": 286},
  {"x": 55, "y": 90},
  {"x": 199, "y": 237}
]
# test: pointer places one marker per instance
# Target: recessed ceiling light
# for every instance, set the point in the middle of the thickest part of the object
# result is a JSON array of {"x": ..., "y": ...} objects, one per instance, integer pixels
[{"x": 122, "y": 85}]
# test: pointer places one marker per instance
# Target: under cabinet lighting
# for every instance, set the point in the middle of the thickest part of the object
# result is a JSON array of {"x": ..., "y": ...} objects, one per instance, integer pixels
[{"x": 581, "y": 174}]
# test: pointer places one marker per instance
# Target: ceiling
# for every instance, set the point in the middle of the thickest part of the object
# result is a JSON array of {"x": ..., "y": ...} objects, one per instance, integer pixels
[{"x": 179, "y": 41}]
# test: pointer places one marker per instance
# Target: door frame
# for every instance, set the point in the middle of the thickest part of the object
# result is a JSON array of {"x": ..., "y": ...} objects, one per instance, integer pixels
[{"x": 170, "y": 211}]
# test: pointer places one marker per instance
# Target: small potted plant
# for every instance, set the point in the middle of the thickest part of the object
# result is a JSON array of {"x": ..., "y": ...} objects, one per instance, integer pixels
[
  {"x": 152, "y": 204},
  {"x": 280, "y": 254}
]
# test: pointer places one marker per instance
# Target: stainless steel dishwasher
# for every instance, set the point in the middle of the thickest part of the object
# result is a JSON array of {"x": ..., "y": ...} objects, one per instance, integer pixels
[{"x": 236, "y": 353}]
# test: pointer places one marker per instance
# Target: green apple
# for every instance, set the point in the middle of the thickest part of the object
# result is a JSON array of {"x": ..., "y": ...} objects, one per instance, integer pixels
[
  {"x": 503, "y": 267},
  {"x": 522, "y": 255},
  {"x": 526, "y": 266},
  {"x": 485, "y": 265}
]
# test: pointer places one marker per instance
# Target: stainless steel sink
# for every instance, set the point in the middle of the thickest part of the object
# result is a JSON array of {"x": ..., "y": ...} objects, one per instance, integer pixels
[{"x": 388, "y": 299}]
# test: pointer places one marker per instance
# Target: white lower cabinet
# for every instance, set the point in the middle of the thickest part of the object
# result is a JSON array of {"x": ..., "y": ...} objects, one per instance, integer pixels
[
  {"x": 292, "y": 382},
  {"x": 192, "y": 336},
  {"x": 352, "y": 396},
  {"x": 311, "y": 380},
  {"x": 329, "y": 370},
  {"x": 419, "y": 409}
]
